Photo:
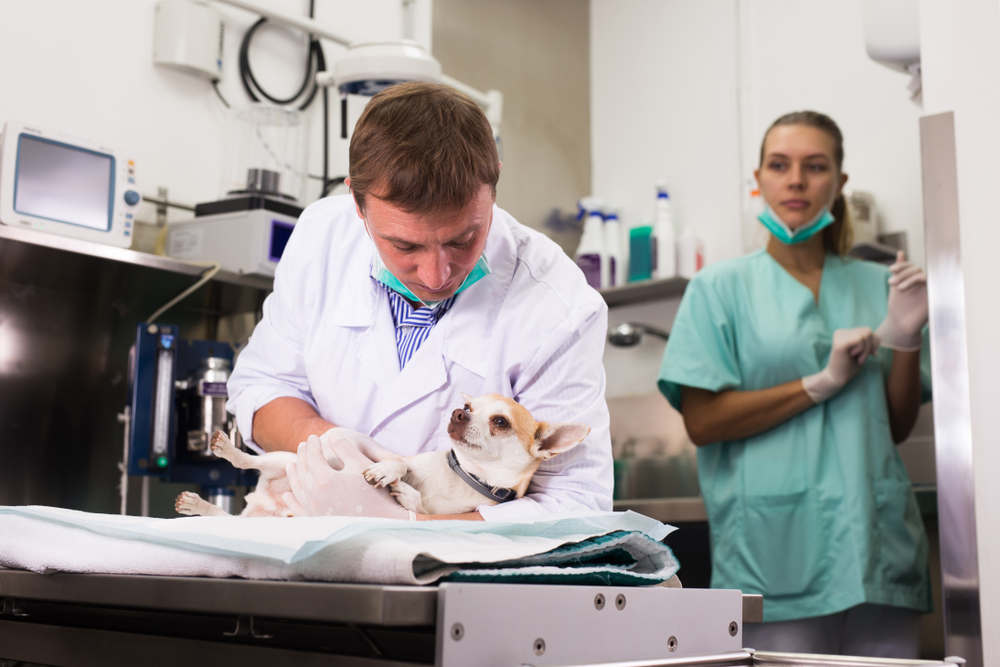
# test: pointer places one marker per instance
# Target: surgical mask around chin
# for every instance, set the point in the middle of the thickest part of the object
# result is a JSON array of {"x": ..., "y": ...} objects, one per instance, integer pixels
[
  {"x": 789, "y": 236},
  {"x": 382, "y": 274}
]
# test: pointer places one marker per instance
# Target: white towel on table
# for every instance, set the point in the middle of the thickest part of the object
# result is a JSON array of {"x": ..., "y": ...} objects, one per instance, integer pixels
[{"x": 46, "y": 539}]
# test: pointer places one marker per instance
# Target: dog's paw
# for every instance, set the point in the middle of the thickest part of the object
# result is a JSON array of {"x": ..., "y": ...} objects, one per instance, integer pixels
[
  {"x": 188, "y": 503},
  {"x": 385, "y": 473},
  {"x": 406, "y": 496},
  {"x": 221, "y": 444}
]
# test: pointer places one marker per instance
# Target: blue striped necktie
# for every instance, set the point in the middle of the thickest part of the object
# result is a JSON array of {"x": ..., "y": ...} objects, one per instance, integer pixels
[{"x": 413, "y": 326}]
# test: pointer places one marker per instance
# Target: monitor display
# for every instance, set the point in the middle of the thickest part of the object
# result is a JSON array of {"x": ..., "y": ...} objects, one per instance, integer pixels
[{"x": 64, "y": 183}]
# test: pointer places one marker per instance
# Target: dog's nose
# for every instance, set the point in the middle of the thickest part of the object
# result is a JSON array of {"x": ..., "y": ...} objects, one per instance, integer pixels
[{"x": 459, "y": 415}]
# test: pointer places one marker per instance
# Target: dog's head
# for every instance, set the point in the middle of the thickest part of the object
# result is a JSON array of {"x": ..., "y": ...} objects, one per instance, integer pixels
[{"x": 494, "y": 429}]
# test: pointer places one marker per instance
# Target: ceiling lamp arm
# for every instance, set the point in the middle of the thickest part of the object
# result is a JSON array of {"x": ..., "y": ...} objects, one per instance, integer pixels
[{"x": 304, "y": 23}]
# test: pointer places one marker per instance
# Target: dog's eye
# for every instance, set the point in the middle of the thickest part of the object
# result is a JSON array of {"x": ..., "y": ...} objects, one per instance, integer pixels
[
  {"x": 467, "y": 408},
  {"x": 501, "y": 422}
]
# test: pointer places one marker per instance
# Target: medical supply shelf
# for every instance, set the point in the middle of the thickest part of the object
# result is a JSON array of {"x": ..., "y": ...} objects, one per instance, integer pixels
[
  {"x": 645, "y": 291},
  {"x": 133, "y": 257}
]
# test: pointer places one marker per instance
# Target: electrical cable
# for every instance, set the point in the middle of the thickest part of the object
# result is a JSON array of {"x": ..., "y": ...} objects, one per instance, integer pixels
[
  {"x": 315, "y": 63},
  {"x": 215, "y": 85},
  {"x": 256, "y": 91},
  {"x": 206, "y": 275}
]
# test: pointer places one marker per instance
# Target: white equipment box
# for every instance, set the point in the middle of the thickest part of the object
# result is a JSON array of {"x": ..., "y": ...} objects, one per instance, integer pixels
[{"x": 249, "y": 240}]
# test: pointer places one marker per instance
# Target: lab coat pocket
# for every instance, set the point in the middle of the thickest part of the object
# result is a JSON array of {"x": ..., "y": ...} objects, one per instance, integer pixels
[
  {"x": 787, "y": 539},
  {"x": 901, "y": 538}
]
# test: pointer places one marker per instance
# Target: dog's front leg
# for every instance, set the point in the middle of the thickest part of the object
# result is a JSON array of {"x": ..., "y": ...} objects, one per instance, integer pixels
[
  {"x": 386, "y": 473},
  {"x": 407, "y": 496}
]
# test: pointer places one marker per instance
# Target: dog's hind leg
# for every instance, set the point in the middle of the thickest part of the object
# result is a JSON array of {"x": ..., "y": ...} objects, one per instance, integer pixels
[
  {"x": 193, "y": 504},
  {"x": 271, "y": 464}
]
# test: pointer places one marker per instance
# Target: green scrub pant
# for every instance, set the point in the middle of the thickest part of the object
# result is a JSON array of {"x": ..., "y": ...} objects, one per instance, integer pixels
[{"x": 871, "y": 630}]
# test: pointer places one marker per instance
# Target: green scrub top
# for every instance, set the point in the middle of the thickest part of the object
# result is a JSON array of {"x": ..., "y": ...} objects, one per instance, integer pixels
[{"x": 816, "y": 514}]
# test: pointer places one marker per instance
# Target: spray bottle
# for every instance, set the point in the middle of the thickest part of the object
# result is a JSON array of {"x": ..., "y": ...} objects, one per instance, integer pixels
[
  {"x": 590, "y": 255},
  {"x": 617, "y": 261},
  {"x": 664, "y": 245}
]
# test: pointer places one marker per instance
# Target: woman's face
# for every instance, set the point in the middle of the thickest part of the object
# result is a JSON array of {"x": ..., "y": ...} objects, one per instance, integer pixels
[{"x": 799, "y": 175}]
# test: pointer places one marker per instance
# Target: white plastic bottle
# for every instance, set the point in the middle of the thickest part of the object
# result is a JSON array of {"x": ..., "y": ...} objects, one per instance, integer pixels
[
  {"x": 617, "y": 260},
  {"x": 664, "y": 243},
  {"x": 690, "y": 253},
  {"x": 590, "y": 255}
]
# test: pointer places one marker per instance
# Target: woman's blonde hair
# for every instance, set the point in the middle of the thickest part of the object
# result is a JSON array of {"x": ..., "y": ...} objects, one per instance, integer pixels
[{"x": 838, "y": 237}]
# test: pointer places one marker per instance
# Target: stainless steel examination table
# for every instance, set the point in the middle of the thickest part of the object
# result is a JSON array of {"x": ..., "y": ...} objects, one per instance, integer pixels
[{"x": 82, "y": 620}]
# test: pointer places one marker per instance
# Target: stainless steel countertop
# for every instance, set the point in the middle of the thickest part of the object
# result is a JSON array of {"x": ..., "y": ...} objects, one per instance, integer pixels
[
  {"x": 666, "y": 510},
  {"x": 692, "y": 509},
  {"x": 68, "y": 244}
]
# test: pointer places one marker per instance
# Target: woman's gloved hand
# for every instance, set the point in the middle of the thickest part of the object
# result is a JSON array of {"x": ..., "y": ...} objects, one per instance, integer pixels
[
  {"x": 902, "y": 328},
  {"x": 319, "y": 489},
  {"x": 851, "y": 347}
]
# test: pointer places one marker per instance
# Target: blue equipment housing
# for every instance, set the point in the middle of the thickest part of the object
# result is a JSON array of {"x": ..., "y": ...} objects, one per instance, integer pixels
[{"x": 165, "y": 411}]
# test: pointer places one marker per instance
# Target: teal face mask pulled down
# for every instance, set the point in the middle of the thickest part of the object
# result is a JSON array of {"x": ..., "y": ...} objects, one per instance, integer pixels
[
  {"x": 790, "y": 236},
  {"x": 382, "y": 274}
]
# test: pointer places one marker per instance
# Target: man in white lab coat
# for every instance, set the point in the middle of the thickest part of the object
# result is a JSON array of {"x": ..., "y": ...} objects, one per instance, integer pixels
[{"x": 390, "y": 302}]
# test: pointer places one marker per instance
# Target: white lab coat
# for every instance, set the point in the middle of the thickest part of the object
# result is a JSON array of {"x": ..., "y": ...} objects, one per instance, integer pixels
[{"x": 532, "y": 330}]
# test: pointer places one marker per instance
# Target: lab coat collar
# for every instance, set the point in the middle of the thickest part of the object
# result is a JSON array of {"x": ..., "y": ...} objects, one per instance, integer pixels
[
  {"x": 468, "y": 327},
  {"x": 357, "y": 301}
]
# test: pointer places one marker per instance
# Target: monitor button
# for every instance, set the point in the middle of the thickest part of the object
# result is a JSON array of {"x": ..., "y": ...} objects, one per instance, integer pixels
[{"x": 131, "y": 197}]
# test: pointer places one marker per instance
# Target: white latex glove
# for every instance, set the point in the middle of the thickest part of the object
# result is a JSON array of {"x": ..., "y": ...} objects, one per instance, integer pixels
[
  {"x": 851, "y": 347},
  {"x": 318, "y": 489},
  {"x": 365, "y": 443},
  {"x": 901, "y": 329}
]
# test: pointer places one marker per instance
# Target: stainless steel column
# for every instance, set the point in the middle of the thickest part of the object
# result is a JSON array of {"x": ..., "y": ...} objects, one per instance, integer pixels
[{"x": 950, "y": 371}]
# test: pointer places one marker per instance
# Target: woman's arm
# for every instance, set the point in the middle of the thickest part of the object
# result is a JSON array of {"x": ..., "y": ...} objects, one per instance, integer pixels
[
  {"x": 902, "y": 393},
  {"x": 736, "y": 415}
]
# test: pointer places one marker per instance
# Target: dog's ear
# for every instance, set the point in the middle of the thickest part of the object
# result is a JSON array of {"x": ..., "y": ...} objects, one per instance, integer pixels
[
  {"x": 552, "y": 439},
  {"x": 466, "y": 397}
]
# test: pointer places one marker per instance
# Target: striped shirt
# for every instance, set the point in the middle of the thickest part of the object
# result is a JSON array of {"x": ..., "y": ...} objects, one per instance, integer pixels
[{"x": 413, "y": 326}]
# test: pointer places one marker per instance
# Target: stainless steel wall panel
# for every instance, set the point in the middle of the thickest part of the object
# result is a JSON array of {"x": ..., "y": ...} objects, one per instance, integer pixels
[
  {"x": 67, "y": 320},
  {"x": 952, "y": 408}
]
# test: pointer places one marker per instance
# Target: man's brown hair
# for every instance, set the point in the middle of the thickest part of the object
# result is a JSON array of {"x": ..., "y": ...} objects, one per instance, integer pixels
[{"x": 423, "y": 148}]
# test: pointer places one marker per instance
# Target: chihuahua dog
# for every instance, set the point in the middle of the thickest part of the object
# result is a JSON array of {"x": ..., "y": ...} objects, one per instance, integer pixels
[{"x": 497, "y": 447}]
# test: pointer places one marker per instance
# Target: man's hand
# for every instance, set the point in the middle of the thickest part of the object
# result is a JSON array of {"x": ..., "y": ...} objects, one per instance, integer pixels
[{"x": 320, "y": 490}]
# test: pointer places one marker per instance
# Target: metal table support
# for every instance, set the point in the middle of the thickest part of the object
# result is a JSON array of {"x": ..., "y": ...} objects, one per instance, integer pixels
[{"x": 84, "y": 620}]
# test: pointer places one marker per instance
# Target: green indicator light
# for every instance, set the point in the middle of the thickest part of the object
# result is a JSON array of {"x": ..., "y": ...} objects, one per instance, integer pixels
[{"x": 161, "y": 462}]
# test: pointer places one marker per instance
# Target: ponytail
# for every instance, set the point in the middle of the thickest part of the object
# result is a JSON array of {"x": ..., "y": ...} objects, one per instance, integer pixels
[{"x": 839, "y": 237}]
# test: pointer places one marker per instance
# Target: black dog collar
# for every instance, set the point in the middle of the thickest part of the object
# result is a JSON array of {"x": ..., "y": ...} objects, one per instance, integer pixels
[{"x": 498, "y": 494}]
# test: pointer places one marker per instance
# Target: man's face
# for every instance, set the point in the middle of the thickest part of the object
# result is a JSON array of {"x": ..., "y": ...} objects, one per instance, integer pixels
[{"x": 431, "y": 254}]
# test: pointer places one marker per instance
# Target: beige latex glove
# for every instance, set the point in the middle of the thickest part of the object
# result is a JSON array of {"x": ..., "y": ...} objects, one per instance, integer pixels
[
  {"x": 321, "y": 489},
  {"x": 901, "y": 329},
  {"x": 851, "y": 347}
]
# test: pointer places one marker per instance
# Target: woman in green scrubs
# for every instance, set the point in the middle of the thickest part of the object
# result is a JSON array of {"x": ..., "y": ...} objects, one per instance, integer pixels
[{"x": 797, "y": 370}]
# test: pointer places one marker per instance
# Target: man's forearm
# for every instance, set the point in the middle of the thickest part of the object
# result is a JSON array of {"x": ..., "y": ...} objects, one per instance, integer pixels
[
  {"x": 470, "y": 516},
  {"x": 285, "y": 422}
]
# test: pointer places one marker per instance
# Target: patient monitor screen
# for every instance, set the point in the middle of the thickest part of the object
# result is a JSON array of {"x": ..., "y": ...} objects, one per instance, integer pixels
[{"x": 63, "y": 183}]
